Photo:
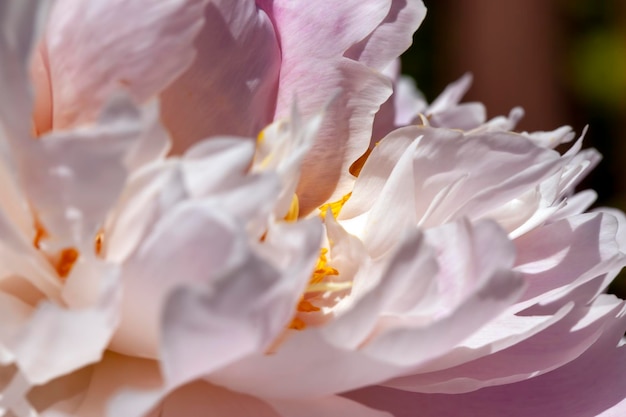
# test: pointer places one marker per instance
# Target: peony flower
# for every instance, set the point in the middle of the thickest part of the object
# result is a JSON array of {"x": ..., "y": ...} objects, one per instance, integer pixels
[{"x": 158, "y": 260}]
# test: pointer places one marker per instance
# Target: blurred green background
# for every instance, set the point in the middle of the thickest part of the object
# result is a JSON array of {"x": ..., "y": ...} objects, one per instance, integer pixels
[{"x": 563, "y": 61}]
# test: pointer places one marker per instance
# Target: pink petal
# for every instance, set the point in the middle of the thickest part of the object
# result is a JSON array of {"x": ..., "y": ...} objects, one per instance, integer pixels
[
  {"x": 327, "y": 406},
  {"x": 60, "y": 172},
  {"x": 190, "y": 255},
  {"x": 392, "y": 37},
  {"x": 568, "y": 252},
  {"x": 85, "y": 332},
  {"x": 568, "y": 338},
  {"x": 591, "y": 385},
  {"x": 490, "y": 288},
  {"x": 242, "y": 312},
  {"x": 374, "y": 174},
  {"x": 231, "y": 86},
  {"x": 407, "y": 277},
  {"x": 21, "y": 22},
  {"x": 88, "y": 61},
  {"x": 89, "y": 391},
  {"x": 313, "y": 43},
  {"x": 307, "y": 30},
  {"x": 200, "y": 398},
  {"x": 330, "y": 365},
  {"x": 351, "y": 94}
]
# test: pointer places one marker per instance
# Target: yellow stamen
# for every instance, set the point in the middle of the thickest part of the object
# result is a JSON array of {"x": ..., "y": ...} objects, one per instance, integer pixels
[
  {"x": 40, "y": 234},
  {"x": 306, "y": 307},
  {"x": 261, "y": 137},
  {"x": 316, "y": 284},
  {"x": 99, "y": 242},
  {"x": 335, "y": 207},
  {"x": 322, "y": 270},
  {"x": 297, "y": 324},
  {"x": 328, "y": 286},
  {"x": 65, "y": 263},
  {"x": 294, "y": 209}
]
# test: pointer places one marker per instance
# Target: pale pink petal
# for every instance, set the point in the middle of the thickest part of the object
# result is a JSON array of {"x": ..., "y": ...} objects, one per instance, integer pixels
[
  {"x": 282, "y": 147},
  {"x": 576, "y": 204},
  {"x": 488, "y": 170},
  {"x": 21, "y": 22},
  {"x": 591, "y": 385},
  {"x": 313, "y": 43},
  {"x": 463, "y": 116},
  {"x": 490, "y": 288},
  {"x": 504, "y": 331},
  {"x": 14, "y": 388},
  {"x": 453, "y": 175},
  {"x": 405, "y": 281},
  {"x": 191, "y": 243},
  {"x": 377, "y": 170},
  {"x": 390, "y": 351},
  {"x": 60, "y": 172},
  {"x": 394, "y": 207},
  {"x": 352, "y": 94},
  {"x": 231, "y": 86},
  {"x": 293, "y": 372},
  {"x": 242, "y": 312},
  {"x": 401, "y": 108},
  {"x": 392, "y": 37},
  {"x": 408, "y": 101},
  {"x": 208, "y": 168},
  {"x": 307, "y": 30},
  {"x": 553, "y": 138},
  {"x": 216, "y": 165},
  {"x": 327, "y": 406},
  {"x": 567, "y": 252},
  {"x": 85, "y": 332},
  {"x": 200, "y": 398},
  {"x": 88, "y": 61},
  {"x": 452, "y": 94},
  {"x": 568, "y": 339},
  {"x": 88, "y": 391}
]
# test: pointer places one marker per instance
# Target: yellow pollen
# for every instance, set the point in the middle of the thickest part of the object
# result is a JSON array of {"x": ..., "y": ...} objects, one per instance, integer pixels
[
  {"x": 305, "y": 306},
  {"x": 294, "y": 209},
  {"x": 316, "y": 284},
  {"x": 297, "y": 324},
  {"x": 335, "y": 206},
  {"x": 40, "y": 234},
  {"x": 99, "y": 242},
  {"x": 261, "y": 137},
  {"x": 322, "y": 270},
  {"x": 66, "y": 260}
]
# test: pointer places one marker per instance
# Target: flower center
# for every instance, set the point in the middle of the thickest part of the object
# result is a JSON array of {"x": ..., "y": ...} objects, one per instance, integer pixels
[
  {"x": 321, "y": 282},
  {"x": 63, "y": 261},
  {"x": 335, "y": 207}
]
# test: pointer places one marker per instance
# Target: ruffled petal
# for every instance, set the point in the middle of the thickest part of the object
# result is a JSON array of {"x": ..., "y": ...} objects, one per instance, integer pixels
[
  {"x": 242, "y": 312},
  {"x": 392, "y": 37},
  {"x": 88, "y": 392},
  {"x": 563, "y": 392},
  {"x": 85, "y": 331},
  {"x": 313, "y": 43},
  {"x": 88, "y": 61},
  {"x": 238, "y": 95},
  {"x": 60, "y": 172},
  {"x": 22, "y": 23}
]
